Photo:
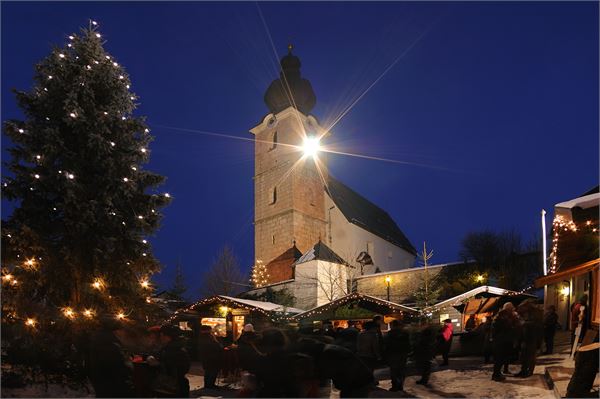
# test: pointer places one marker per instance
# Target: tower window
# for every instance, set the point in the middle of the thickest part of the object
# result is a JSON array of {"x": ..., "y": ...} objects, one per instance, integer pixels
[
  {"x": 273, "y": 239},
  {"x": 273, "y": 196},
  {"x": 273, "y": 141}
]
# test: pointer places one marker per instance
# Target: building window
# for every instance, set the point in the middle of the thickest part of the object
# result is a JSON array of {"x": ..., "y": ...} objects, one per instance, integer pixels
[
  {"x": 273, "y": 239},
  {"x": 273, "y": 141},
  {"x": 370, "y": 248},
  {"x": 273, "y": 196}
]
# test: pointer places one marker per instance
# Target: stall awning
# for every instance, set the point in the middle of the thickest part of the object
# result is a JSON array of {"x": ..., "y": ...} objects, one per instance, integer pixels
[{"x": 567, "y": 274}]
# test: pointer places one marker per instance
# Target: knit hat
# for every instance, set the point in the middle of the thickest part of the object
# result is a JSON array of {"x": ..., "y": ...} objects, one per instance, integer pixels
[{"x": 248, "y": 328}]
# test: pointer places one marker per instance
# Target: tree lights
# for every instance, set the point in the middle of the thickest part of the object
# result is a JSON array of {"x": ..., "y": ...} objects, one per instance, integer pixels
[
  {"x": 260, "y": 275},
  {"x": 79, "y": 239}
]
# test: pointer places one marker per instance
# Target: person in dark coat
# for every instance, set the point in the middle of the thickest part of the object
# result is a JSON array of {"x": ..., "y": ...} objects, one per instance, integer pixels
[
  {"x": 109, "y": 370},
  {"x": 485, "y": 329},
  {"x": 348, "y": 373},
  {"x": 424, "y": 352},
  {"x": 275, "y": 373},
  {"x": 248, "y": 353},
  {"x": 348, "y": 338},
  {"x": 504, "y": 329},
  {"x": 586, "y": 368},
  {"x": 532, "y": 333},
  {"x": 550, "y": 324},
  {"x": 470, "y": 324},
  {"x": 174, "y": 361},
  {"x": 397, "y": 346},
  {"x": 210, "y": 352},
  {"x": 368, "y": 347}
]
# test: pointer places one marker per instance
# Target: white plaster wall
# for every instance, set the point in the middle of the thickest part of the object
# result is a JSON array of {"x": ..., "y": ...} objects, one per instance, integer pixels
[
  {"x": 305, "y": 285},
  {"x": 333, "y": 282},
  {"x": 348, "y": 240}
]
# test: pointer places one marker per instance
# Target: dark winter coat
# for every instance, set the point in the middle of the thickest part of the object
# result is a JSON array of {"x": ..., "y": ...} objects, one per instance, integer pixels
[
  {"x": 274, "y": 374},
  {"x": 504, "y": 328},
  {"x": 346, "y": 370},
  {"x": 368, "y": 345},
  {"x": 397, "y": 344},
  {"x": 110, "y": 371},
  {"x": 425, "y": 345},
  {"x": 248, "y": 354},
  {"x": 210, "y": 351},
  {"x": 348, "y": 338},
  {"x": 175, "y": 362},
  {"x": 550, "y": 321}
]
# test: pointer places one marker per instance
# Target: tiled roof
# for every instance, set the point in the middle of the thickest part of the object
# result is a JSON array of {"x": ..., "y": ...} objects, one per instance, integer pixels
[
  {"x": 363, "y": 213},
  {"x": 320, "y": 252}
]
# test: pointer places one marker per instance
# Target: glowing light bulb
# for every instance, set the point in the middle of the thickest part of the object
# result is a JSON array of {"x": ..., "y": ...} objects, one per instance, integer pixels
[
  {"x": 61, "y": 55},
  {"x": 115, "y": 64},
  {"x": 144, "y": 254},
  {"x": 145, "y": 284},
  {"x": 38, "y": 157},
  {"x": 311, "y": 146},
  {"x": 98, "y": 35},
  {"x": 105, "y": 113},
  {"x": 143, "y": 150},
  {"x": 120, "y": 316},
  {"x": 167, "y": 195},
  {"x": 49, "y": 76},
  {"x": 88, "y": 67},
  {"x": 112, "y": 143},
  {"x": 133, "y": 168},
  {"x": 123, "y": 118},
  {"x": 144, "y": 242},
  {"x": 36, "y": 176},
  {"x": 88, "y": 313},
  {"x": 140, "y": 217},
  {"x": 69, "y": 45},
  {"x": 125, "y": 179},
  {"x": 21, "y": 131},
  {"x": 7, "y": 277},
  {"x": 73, "y": 115},
  {"x": 94, "y": 23},
  {"x": 146, "y": 130},
  {"x": 71, "y": 37},
  {"x": 30, "y": 262},
  {"x": 69, "y": 313},
  {"x": 70, "y": 176},
  {"x": 30, "y": 322}
]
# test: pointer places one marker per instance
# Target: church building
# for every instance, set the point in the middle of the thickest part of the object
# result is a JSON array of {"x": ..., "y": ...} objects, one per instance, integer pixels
[{"x": 302, "y": 213}]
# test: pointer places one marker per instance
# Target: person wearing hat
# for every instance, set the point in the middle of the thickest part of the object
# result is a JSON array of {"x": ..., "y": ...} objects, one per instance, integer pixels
[
  {"x": 174, "y": 363},
  {"x": 210, "y": 352}
]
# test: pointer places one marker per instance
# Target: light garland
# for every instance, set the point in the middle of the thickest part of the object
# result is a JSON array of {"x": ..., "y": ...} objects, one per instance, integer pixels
[
  {"x": 260, "y": 275},
  {"x": 560, "y": 224}
]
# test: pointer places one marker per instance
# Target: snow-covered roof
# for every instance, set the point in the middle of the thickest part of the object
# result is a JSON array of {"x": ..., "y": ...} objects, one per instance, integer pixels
[
  {"x": 320, "y": 252},
  {"x": 587, "y": 201},
  {"x": 355, "y": 296},
  {"x": 457, "y": 300},
  {"x": 267, "y": 306}
]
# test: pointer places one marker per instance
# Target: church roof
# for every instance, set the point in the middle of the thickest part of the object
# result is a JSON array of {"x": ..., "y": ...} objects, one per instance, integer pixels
[
  {"x": 320, "y": 252},
  {"x": 366, "y": 215},
  {"x": 280, "y": 268}
]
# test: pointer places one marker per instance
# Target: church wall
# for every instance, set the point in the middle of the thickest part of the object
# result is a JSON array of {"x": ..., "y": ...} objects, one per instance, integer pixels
[
  {"x": 349, "y": 240},
  {"x": 296, "y": 211},
  {"x": 305, "y": 285},
  {"x": 403, "y": 283}
]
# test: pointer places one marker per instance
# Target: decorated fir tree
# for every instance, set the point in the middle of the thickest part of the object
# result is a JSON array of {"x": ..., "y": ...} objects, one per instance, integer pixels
[
  {"x": 75, "y": 247},
  {"x": 179, "y": 288},
  {"x": 260, "y": 275}
]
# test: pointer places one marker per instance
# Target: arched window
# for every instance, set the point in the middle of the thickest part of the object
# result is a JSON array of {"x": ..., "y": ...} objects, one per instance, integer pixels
[{"x": 273, "y": 196}]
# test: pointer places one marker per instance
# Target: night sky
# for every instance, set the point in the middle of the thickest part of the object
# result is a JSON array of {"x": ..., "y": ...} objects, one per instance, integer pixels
[{"x": 499, "y": 100}]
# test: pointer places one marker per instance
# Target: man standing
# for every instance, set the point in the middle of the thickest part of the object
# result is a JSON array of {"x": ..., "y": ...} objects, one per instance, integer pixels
[
  {"x": 210, "y": 352},
  {"x": 550, "y": 323},
  {"x": 397, "y": 346},
  {"x": 504, "y": 328}
]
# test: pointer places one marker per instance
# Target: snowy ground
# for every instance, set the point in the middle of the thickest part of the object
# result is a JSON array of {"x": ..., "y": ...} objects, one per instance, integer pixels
[{"x": 466, "y": 377}]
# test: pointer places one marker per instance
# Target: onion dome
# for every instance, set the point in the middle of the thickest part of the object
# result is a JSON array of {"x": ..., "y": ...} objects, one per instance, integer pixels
[{"x": 290, "y": 89}]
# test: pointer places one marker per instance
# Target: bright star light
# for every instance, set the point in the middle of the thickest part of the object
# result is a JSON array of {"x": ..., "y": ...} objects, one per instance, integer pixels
[{"x": 311, "y": 146}]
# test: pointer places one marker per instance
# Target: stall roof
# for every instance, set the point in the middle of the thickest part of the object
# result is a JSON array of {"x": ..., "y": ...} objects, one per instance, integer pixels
[
  {"x": 484, "y": 289},
  {"x": 269, "y": 309},
  {"x": 363, "y": 299}
]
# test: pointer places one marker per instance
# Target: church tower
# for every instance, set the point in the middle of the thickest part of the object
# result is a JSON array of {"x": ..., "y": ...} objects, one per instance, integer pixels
[{"x": 289, "y": 188}]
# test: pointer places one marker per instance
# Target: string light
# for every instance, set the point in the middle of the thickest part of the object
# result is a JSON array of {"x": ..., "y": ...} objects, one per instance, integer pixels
[
  {"x": 71, "y": 37},
  {"x": 144, "y": 254},
  {"x": 38, "y": 157},
  {"x": 69, "y": 313},
  {"x": 88, "y": 313},
  {"x": 125, "y": 179},
  {"x": 167, "y": 195},
  {"x": 120, "y": 76},
  {"x": 69, "y": 45},
  {"x": 61, "y": 55},
  {"x": 30, "y": 322},
  {"x": 144, "y": 242},
  {"x": 560, "y": 224},
  {"x": 36, "y": 176},
  {"x": 145, "y": 283},
  {"x": 143, "y": 150},
  {"x": 70, "y": 176},
  {"x": 7, "y": 277},
  {"x": 49, "y": 76},
  {"x": 73, "y": 115},
  {"x": 133, "y": 168},
  {"x": 98, "y": 284},
  {"x": 88, "y": 67},
  {"x": 140, "y": 217},
  {"x": 120, "y": 316},
  {"x": 94, "y": 23},
  {"x": 112, "y": 143},
  {"x": 98, "y": 35},
  {"x": 21, "y": 131}
]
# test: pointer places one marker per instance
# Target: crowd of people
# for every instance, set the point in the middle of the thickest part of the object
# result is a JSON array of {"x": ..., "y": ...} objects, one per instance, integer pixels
[{"x": 306, "y": 362}]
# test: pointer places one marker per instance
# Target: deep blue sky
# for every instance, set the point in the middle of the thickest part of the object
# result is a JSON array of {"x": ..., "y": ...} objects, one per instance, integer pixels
[{"x": 504, "y": 95}]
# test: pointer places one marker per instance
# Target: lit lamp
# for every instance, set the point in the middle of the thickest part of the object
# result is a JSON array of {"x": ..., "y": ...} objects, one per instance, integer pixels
[
  {"x": 479, "y": 278},
  {"x": 388, "y": 280},
  {"x": 311, "y": 146},
  {"x": 565, "y": 290}
]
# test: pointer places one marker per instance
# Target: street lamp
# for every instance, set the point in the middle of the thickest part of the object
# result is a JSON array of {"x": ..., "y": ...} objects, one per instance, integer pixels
[{"x": 388, "y": 280}]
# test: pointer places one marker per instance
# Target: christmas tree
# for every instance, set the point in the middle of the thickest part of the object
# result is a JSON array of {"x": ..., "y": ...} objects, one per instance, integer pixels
[
  {"x": 75, "y": 247},
  {"x": 179, "y": 288},
  {"x": 260, "y": 275}
]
